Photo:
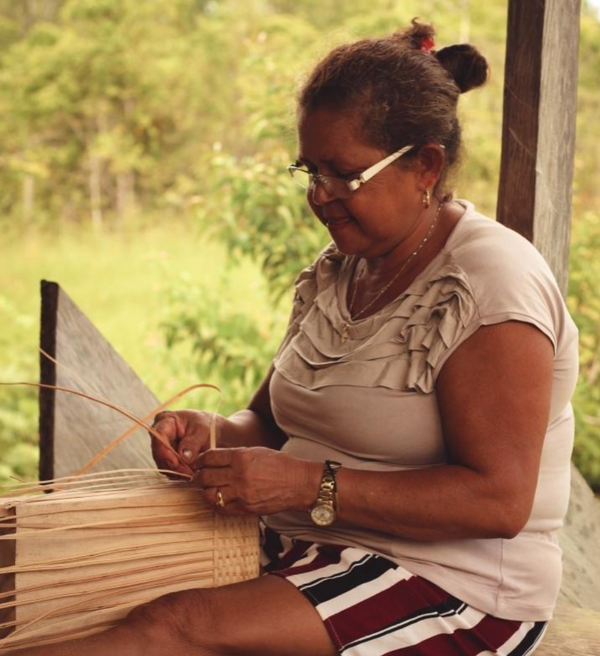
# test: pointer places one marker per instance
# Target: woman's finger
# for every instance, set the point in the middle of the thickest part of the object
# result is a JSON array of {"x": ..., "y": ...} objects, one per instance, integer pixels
[
  {"x": 232, "y": 509},
  {"x": 216, "y": 477},
  {"x": 218, "y": 457},
  {"x": 195, "y": 439},
  {"x": 223, "y": 499},
  {"x": 166, "y": 424}
]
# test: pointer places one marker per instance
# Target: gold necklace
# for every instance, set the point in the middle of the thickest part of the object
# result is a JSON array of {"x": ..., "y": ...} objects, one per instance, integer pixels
[{"x": 346, "y": 328}]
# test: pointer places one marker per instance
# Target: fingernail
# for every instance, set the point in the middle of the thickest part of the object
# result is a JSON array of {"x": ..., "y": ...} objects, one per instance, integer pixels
[{"x": 187, "y": 454}]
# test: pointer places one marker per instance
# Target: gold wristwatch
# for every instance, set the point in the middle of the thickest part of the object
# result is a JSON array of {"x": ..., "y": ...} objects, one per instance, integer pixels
[{"x": 323, "y": 513}]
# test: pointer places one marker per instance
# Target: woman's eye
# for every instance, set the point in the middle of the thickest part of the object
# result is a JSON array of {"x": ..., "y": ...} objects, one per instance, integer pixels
[{"x": 350, "y": 175}]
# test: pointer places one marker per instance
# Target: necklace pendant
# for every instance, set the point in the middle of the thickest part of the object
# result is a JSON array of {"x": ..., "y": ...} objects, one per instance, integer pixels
[{"x": 345, "y": 333}]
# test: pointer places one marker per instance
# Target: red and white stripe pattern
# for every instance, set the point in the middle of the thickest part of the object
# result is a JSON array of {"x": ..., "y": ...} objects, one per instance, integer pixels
[{"x": 373, "y": 607}]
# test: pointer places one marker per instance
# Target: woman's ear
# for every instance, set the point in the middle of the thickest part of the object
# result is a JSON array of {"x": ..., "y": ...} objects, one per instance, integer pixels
[{"x": 430, "y": 164}]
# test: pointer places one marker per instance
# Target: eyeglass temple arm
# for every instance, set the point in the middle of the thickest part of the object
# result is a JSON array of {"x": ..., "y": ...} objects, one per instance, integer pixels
[{"x": 374, "y": 170}]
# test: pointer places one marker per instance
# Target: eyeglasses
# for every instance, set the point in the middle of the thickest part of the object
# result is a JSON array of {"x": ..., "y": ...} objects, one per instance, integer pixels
[{"x": 341, "y": 188}]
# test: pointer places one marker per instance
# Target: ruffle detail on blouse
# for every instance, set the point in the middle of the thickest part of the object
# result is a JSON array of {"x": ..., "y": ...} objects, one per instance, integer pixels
[
  {"x": 397, "y": 348},
  {"x": 321, "y": 274},
  {"x": 435, "y": 323}
]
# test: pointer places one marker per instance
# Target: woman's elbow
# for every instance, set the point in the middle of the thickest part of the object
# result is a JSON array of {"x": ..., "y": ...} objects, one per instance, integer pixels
[{"x": 510, "y": 516}]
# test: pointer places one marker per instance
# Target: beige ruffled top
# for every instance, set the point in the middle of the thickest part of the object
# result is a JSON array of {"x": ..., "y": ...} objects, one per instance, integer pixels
[
  {"x": 370, "y": 402},
  {"x": 398, "y": 348}
]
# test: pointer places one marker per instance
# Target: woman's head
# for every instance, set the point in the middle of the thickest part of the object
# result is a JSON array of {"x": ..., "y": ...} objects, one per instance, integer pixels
[{"x": 398, "y": 91}]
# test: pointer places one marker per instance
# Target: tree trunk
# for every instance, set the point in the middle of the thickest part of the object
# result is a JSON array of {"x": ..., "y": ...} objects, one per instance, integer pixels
[
  {"x": 95, "y": 184},
  {"x": 125, "y": 193},
  {"x": 28, "y": 196}
]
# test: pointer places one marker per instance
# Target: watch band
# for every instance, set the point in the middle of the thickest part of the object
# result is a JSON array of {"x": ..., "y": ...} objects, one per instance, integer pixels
[
  {"x": 324, "y": 512},
  {"x": 328, "y": 489}
]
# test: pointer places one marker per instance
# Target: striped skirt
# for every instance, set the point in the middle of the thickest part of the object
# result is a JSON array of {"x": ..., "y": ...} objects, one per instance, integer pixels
[{"x": 373, "y": 607}]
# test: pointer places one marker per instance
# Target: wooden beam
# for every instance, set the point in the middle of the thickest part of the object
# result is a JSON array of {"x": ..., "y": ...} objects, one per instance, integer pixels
[
  {"x": 72, "y": 429},
  {"x": 538, "y": 138}
]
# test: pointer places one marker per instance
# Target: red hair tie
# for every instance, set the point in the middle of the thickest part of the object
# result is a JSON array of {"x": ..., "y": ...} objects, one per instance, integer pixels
[{"x": 427, "y": 43}]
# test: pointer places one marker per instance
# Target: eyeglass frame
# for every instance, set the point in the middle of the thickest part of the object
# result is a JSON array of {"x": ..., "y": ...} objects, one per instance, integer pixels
[{"x": 354, "y": 184}]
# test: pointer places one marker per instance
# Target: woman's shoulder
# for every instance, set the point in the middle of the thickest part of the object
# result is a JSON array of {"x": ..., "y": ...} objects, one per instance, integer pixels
[
  {"x": 494, "y": 256},
  {"x": 507, "y": 276},
  {"x": 483, "y": 246}
]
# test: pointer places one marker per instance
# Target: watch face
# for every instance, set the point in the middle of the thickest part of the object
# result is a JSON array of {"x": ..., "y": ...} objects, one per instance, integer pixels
[{"x": 323, "y": 515}]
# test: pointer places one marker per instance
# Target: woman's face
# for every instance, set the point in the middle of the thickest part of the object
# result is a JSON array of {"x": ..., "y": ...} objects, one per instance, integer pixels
[{"x": 383, "y": 212}]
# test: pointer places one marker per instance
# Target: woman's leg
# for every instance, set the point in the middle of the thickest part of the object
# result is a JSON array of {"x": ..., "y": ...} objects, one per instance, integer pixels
[{"x": 262, "y": 617}]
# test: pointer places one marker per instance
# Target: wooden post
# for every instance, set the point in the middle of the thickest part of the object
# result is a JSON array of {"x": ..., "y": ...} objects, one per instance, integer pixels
[{"x": 538, "y": 139}]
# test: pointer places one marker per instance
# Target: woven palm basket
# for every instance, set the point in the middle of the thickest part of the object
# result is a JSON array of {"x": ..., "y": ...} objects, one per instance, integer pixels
[{"x": 76, "y": 561}]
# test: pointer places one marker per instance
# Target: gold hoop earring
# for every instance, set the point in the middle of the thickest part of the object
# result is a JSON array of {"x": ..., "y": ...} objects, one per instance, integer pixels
[{"x": 426, "y": 199}]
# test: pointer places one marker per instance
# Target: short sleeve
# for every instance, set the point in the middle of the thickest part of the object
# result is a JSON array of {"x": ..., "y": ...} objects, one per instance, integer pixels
[{"x": 510, "y": 281}]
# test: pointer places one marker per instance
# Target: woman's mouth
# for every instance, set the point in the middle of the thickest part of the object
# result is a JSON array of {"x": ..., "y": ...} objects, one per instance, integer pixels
[{"x": 336, "y": 221}]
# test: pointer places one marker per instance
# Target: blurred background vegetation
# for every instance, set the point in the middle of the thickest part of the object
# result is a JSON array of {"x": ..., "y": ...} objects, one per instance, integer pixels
[{"x": 142, "y": 166}]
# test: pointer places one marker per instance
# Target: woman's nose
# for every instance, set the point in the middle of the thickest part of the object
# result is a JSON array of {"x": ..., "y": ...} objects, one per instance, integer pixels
[{"x": 320, "y": 195}]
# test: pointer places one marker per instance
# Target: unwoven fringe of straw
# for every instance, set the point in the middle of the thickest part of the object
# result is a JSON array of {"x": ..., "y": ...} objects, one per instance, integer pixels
[
  {"x": 177, "y": 537},
  {"x": 188, "y": 547}
]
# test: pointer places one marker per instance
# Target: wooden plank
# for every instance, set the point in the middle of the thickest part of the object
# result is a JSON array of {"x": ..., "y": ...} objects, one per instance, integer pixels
[
  {"x": 580, "y": 540},
  {"x": 72, "y": 429},
  {"x": 572, "y": 632},
  {"x": 538, "y": 138},
  {"x": 522, "y": 79}
]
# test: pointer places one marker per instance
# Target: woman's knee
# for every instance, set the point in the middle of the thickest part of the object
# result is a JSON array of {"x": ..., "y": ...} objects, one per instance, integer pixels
[{"x": 189, "y": 618}]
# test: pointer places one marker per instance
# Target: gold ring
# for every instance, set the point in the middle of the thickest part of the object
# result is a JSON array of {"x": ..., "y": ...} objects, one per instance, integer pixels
[{"x": 220, "y": 502}]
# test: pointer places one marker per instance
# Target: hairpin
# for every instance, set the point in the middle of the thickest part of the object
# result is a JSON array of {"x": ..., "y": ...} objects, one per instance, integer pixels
[{"x": 427, "y": 43}]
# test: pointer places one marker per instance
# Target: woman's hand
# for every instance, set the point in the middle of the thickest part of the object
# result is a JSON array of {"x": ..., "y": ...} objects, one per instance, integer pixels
[
  {"x": 257, "y": 480},
  {"x": 188, "y": 432}
]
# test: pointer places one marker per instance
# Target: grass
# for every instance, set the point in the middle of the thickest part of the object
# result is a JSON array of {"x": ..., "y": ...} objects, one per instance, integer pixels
[{"x": 118, "y": 279}]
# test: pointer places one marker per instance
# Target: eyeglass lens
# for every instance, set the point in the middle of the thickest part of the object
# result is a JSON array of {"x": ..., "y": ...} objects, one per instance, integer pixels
[{"x": 333, "y": 186}]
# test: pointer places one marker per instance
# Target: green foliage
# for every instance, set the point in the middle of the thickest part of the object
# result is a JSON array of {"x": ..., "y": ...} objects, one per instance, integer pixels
[
  {"x": 584, "y": 304},
  {"x": 18, "y": 409},
  {"x": 259, "y": 213},
  {"x": 212, "y": 336},
  {"x": 97, "y": 101}
]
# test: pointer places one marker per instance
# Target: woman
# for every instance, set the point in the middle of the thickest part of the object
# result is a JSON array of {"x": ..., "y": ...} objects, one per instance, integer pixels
[{"x": 409, "y": 448}]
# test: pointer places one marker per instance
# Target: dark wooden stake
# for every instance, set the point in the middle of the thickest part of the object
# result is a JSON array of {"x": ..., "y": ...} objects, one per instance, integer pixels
[
  {"x": 538, "y": 138},
  {"x": 49, "y": 291}
]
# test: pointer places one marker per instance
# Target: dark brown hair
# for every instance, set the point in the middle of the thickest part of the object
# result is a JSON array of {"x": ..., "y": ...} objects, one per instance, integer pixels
[{"x": 402, "y": 92}]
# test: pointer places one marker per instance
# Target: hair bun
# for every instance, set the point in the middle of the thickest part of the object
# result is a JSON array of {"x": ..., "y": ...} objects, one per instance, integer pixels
[{"x": 467, "y": 66}]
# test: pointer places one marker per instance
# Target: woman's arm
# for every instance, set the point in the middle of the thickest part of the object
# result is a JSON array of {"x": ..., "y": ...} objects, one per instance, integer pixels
[{"x": 494, "y": 400}]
